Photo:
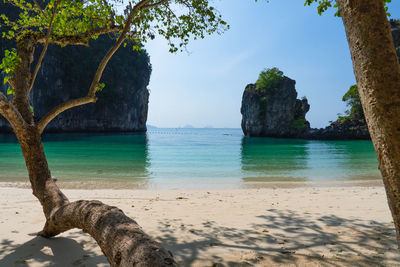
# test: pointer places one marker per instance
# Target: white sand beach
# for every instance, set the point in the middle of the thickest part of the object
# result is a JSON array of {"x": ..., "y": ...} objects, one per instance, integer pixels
[{"x": 283, "y": 226}]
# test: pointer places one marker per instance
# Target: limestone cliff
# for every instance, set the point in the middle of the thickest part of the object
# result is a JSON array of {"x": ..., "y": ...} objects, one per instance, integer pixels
[
  {"x": 66, "y": 74},
  {"x": 338, "y": 130},
  {"x": 354, "y": 125},
  {"x": 274, "y": 110}
]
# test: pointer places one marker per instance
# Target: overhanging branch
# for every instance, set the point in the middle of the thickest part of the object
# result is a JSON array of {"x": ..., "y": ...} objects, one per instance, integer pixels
[
  {"x": 79, "y": 39},
  {"x": 154, "y": 4},
  {"x": 46, "y": 45},
  {"x": 91, "y": 95},
  {"x": 63, "y": 107},
  {"x": 8, "y": 111},
  {"x": 96, "y": 79},
  {"x": 39, "y": 7}
]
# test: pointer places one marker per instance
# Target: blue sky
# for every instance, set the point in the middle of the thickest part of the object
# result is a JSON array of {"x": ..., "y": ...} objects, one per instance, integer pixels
[{"x": 204, "y": 87}]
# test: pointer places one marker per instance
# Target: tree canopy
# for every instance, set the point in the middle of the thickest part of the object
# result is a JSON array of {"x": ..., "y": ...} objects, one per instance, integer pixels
[
  {"x": 68, "y": 22},
  {"x": 323, "y": 5},
  {"x": 269, "y": 79},
  {"x": 352, "y": 99},
  {"x": 76, "y": 22},
  {"x": 355, "y": 112}
]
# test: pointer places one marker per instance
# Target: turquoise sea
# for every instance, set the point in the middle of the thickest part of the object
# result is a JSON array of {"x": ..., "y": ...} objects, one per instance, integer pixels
[{"x": 192, "y": 158}]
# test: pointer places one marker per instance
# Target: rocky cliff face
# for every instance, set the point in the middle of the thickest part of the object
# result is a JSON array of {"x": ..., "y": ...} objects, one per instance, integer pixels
[
  {"x": 277, "y": 113},
  {"x": 274, "y": 112},
  {"x": 353, "y": 127},
  {"x": 66, "y": 74},
  {"x": 349, "y": 130}
]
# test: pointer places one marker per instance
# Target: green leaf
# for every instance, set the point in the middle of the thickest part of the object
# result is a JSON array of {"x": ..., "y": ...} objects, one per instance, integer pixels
[
  {"x": 323, "y": 5},
  {"x": 10, "y": 91},
  {"x": 269, "y": 79},
  {"x": 100, "y": 87}
]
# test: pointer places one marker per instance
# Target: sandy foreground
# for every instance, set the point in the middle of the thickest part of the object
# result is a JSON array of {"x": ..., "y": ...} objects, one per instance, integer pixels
[{"x": 304, "y": 226}]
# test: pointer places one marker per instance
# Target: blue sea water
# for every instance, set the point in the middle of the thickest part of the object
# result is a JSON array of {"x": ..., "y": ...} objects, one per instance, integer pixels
[{"x": 192, "y": 158}]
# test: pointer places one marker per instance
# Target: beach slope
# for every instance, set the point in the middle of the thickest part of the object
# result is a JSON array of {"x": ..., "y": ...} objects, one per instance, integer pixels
[{"x": 299, "y": 226}]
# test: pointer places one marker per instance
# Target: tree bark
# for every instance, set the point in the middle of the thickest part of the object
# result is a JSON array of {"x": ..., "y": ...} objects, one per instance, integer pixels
[
  {"x": 377, "y": 72},
  {"x": 119, "y": 237}
]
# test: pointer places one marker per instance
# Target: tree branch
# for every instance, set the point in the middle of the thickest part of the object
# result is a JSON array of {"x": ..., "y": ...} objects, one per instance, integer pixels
[
  {"x": 8, "y": 111},
  {"x": 63, "y": 107},
  {"x": 139, "y": 6},
  {"x": 121, "y": 239},
  {"x": 83, "y": 39},
  {"x": 91, "y": 95},
  {"x": 154, "y": 4},
  {"x": 46, "y": 45},
  {"x": 79, "y": 39},
  {"x": 39, "y": 7},
  {"x": 96, "y": 79}
]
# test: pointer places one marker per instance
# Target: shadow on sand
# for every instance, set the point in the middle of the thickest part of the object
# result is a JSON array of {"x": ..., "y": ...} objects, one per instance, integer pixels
[
  {"x": 280, "y": 237},
  {"x": 58, "y": 251},
  {"x": 285, "y": 238}
]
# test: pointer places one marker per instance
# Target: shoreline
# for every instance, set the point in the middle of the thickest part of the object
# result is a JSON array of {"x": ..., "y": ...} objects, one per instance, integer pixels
[
  {"x": 275, "y": 226},
  {"x": 245, "y": 184}
]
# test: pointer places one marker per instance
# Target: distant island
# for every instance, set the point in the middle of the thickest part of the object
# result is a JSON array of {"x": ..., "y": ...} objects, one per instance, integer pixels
[{"x": 270, "y": 108}]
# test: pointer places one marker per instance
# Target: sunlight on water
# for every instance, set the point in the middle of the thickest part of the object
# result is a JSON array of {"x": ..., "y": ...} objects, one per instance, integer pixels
[{"x": 192, "y": 158}]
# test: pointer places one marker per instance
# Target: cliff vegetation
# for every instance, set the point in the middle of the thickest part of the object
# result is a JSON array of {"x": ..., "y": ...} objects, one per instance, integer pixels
[
  {"x": 352, "y": 124},
  {"x": 270, "y": 107}
]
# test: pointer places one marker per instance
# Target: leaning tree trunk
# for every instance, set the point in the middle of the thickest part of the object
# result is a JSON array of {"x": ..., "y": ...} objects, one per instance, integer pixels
[
  {"x": 119, "y": 237},
  {"x": 377, "y": 71}
]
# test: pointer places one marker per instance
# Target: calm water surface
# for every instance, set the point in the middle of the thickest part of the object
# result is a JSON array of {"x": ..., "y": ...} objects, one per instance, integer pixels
[{"x": 192, "y": 158}]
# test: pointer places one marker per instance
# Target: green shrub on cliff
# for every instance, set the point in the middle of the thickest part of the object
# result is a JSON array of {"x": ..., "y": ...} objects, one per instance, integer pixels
[
  {"x": 352, "y": 99},
  {"x": 269, "y": 79},
  {"x": 355, "y": 111},
  {"x": 299, "y": 124}
]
